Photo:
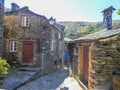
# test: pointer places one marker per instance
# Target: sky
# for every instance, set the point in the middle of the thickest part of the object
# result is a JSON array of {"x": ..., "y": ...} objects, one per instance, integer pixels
[{"x": 69, "y": 10}]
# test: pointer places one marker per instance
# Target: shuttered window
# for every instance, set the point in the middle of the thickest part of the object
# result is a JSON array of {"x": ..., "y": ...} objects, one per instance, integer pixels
[
  {"x": 25, "y": 21},
  {"x": 59, "y": 35},
  {"x": 53, "y": 41},
  {"x": 12, "y": 46},
  {"x": 60, "y": 45}
]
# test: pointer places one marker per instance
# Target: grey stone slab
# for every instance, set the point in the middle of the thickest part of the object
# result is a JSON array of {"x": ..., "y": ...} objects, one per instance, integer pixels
[
  {"x": 54, "y": 81},
  {"x": 16, "y": 79},
  {"x": 29, "y": 69}
]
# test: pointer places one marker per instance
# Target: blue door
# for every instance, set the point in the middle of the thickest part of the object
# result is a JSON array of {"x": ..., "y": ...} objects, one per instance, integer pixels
[{"x": 65, "y": 56}]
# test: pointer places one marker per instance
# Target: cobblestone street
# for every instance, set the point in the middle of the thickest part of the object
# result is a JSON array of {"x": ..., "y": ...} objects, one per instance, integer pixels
[{"x": 54, "y": 81}]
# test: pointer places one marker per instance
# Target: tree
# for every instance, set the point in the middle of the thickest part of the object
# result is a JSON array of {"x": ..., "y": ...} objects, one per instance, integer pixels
[
  {"x": 118, "y": 12},
  {"x": 4, "y": 66},
  {"x": 10, "y": 27},
  {"x": 11, "y": 32},
  {"x": 67, "y": 35},
  {"x": 89, "y": 28}
]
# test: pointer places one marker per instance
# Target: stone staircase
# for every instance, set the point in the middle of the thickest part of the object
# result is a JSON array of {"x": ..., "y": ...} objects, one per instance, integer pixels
[{"x": 22, "y": 76}]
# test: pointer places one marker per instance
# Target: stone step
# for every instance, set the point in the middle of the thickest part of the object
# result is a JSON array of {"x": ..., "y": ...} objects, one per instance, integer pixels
[
  {"x": 17, "y": 79},
  {"x": 2, "y": 77},
  {"x": 34, "y": 69}
]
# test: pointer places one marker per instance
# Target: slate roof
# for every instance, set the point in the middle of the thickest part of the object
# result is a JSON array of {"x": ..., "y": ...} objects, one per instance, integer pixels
[
  {"x": 102, "y": 34},
  {"x": 59, "y": 27},
  {"x": 26, "y": 9},
  {"x": 67, "y": 40},
  {"x": 111, "y": 8}
]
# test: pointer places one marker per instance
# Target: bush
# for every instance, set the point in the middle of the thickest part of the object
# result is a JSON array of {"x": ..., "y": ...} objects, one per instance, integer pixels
[
  {"x": 4, "y": 66},
  {"x": 12, "y": 59}
]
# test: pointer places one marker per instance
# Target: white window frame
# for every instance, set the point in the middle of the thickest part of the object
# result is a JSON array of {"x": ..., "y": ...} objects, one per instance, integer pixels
[
  {"x": 75, "y": 51},
  {"x": 53, "y": 45},
  {"x": 25, "y": 21},
  {"x": 53, "y": 41},
  {"x": 12, "y": 46},
  {"x": 53, "y": 34},
  {"x": 60, "y": 45},
  {"x": 59, "y": 35}
]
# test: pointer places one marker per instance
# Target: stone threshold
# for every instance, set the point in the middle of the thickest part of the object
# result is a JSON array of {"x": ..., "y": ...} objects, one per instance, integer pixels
[{"x": 82, "y": 84}]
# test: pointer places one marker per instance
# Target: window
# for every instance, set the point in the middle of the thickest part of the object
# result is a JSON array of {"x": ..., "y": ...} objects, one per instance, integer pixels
[
  {"x": 53, "y": 34},
  {"x": 59, "y": 36},
  {"x": 53, "y": 45},
  {"x": 75, "y": 51},
  {"x": 53, "y": 41},
  {"x": 12, "y": 46},
  {"x": 25, "y": 21},
  {"x": 60, "y": 45}
]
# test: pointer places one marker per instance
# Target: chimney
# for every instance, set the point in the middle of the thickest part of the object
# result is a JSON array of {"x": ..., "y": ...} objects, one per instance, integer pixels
[
  {"x": 52, "y": 21},
  {"x": 14, "y": 7},
  {"x": 2, "y": 2},
  {"x": 107, "y": 17}
]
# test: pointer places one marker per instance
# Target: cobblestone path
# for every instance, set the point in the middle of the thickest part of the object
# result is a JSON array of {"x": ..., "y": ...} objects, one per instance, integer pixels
[{"x": 55, "y": 81}]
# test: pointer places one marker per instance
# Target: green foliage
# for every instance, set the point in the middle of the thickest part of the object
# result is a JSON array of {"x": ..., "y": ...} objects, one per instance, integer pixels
[
  {"x": 11, "y": 30},
  {"x": 77, "y": 29},
  {"x": 11, "y": 59},
  {"x": 90, "y": 29},
  {"x": 97, "y": 28},
  {"x": 67, "y": 35},
  {"x": 4, "y": 66},
  {"x": 11, "y": 27},
  {"x": 118, "y": 12}
]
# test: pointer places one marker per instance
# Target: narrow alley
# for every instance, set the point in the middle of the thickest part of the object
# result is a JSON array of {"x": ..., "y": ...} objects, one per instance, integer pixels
[{"x": 55, "y": 81}]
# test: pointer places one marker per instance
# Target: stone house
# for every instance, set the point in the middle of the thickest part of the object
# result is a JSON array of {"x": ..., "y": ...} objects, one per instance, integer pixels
[
  {"x": 1, "y": 25},
  {"x": 28, "y": 39},
  {"x": 94, "y": 58}
]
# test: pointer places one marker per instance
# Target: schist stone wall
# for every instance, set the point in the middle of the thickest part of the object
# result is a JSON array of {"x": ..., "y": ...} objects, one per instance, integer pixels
[
  {"x": 1, "y": 24},
  {"x": 105, "y": 60},
  {"x": 20, "y": 34}
]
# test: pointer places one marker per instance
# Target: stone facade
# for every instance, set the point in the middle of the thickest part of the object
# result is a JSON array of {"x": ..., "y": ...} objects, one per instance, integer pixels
[
  {"x": 15, "y": 32},
  {"x": 52, "y": 50},
  {"x": 105, "y": 55},
  {"x": 1, "y": 25},
  {"x": 93, "y": 61},
  {"x": 31, "y": 33}
]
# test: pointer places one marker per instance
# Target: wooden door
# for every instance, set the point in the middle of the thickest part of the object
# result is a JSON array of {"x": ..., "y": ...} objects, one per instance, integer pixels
[
  {"x": 85, "y": 63},
  {"x": 27, "y": 51}
]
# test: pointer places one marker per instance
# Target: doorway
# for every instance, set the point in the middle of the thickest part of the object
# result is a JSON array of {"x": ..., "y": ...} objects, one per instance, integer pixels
[{"x": 27, "y": 52}]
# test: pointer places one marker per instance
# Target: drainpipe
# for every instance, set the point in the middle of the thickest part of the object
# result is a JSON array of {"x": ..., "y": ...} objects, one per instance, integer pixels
[
  {"x": 41, "y": 51},
  {"x": 42, "y": 63}
]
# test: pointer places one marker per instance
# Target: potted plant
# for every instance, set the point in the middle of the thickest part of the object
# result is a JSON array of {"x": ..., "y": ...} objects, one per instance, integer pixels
[{"x": 4, "y": 66}]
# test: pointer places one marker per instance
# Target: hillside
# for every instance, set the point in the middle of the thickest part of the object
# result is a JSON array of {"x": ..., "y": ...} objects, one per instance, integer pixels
[
  {"x": 7, "y": 9},
  {"x": 77, "y": 29}
]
